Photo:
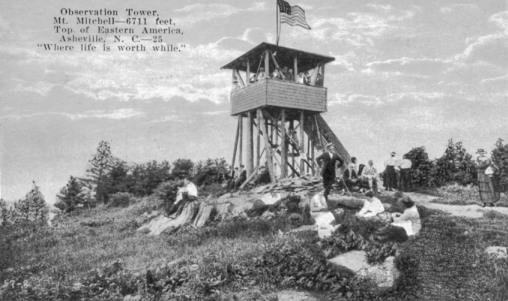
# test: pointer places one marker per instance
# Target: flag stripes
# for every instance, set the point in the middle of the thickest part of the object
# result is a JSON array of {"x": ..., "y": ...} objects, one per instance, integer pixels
[{"x": 296, "y": 17}]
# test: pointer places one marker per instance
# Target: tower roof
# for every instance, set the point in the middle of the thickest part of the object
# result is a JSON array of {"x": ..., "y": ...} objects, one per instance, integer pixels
[{"x": 284, "y": 56}]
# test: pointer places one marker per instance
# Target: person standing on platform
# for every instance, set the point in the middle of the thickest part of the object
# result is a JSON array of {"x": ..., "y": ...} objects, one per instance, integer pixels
[
  {"x": 405, "y": 173},
  {"x": 328, "y": 161},
  {"x": 390, "y": 176},
  {"x": 486, "y": 171}
]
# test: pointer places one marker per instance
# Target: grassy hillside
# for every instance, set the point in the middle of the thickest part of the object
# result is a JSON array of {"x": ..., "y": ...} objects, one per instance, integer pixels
[{"x": 99, "y": 255}]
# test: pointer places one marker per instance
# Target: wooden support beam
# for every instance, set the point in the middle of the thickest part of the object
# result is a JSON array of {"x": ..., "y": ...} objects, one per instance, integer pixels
[
  {"x": 283, "y": 171},
  {"x": 258, "y": 140},
  {"x": 319, "y": 135},
  {"x": 249, "y": 178},
  {"x": 323, "y": 74},
  {"x": 241, "y": 141},
  {"x": 239, "y": 77},
  {"x": 236, "y": 142},
  {"x": 250, "y": 142},
  {"x": 276, "y": 65},
  {"x": 267, "y": 64},
  {"x": 302, "y": 142},
  {"x": 295, "y": 63},
  {"x": 291, "y": 135},
  {"x": 248, "y": 73},
  {"x": 268, "y": 148}
]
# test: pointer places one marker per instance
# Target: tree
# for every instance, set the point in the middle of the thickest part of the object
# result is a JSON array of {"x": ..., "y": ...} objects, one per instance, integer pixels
[
  {"x": 421, "y": 166},
  {"x": 70, "y": 196},
  {"x": 210, "y": 171},
  {"x": 455, "y": 165},
  {"x": 182, "y": 168},
  {"x": 33, "y": 207},
  {"x": 102, "y": 163},
  {"x": 500, "y": 158}
]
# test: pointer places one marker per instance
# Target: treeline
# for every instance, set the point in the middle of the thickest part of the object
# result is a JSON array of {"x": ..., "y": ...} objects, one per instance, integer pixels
[
  {"x": 31, "y": 208},
  {"x": 110, "y": 177},
  {"x": 456, "y": 165}
]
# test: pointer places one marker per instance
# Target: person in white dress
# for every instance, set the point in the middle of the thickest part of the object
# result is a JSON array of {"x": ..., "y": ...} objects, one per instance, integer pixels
[{"x": 371, "y": 207}]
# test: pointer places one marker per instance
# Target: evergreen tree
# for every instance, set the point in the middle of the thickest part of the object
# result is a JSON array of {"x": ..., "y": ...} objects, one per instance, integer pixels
[
  {"x": 33, "y": 207},
  {"x": 101, "y": 164},
  {"x": 70, "y": 196}
]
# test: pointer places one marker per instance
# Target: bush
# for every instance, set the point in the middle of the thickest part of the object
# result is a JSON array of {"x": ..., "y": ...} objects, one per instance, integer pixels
[
  {"x": 500, "y": 157},
  {"x": 120, "y": 199},
  {"x": 456, "y": 165},
  {"x": 421, "y": 166}
]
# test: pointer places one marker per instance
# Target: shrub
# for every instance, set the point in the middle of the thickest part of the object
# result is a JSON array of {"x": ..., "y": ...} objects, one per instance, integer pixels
[
  {"x": 500, "y": 157},
  {"x": 421, "y": 166},
  {"x": 455, "y": 165},
  {"x": 120, "y": 199}
]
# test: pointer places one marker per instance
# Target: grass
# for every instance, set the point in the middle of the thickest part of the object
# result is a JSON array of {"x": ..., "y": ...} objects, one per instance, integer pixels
[
  {"x": 460, "y": 195},
  {"x": 449, "y": 251}
]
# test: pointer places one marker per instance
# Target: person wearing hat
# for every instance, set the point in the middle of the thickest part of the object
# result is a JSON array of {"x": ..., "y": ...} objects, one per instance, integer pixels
[
  {"x": 328, "y": 161},
  {"x": 261, "y": 74},
  {"x": 350, "y": 178},
  {"x": 487, "y": 171},
  {"x": 390, "y": 175}
]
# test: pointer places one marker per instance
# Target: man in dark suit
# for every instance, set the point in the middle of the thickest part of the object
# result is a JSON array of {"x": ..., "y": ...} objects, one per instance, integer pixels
[
  {"x": 350, "y": 178},
  {"x": 328, "y": 161}
]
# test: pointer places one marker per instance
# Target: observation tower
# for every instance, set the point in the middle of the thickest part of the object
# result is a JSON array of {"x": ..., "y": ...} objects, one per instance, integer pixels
[{"x": 281, "y": 115}]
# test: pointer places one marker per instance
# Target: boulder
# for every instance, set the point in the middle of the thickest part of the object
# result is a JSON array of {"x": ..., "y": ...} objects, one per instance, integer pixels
[
  {"x": 203, "y": 215},
  {"x": 161, "y": 223},
  {"x": 351, "y": 202},
  {"x": 497, "y": 252},
  {"x": 257, "y": 209},
  {"x": 383, "y": 275}
]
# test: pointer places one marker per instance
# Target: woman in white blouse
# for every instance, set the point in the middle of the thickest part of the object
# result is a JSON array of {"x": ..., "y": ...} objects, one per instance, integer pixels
[{"x": 371, "y": 207}]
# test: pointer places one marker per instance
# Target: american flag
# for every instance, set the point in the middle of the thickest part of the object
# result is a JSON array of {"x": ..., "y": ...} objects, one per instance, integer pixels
[{"x": 292, "y": 15}]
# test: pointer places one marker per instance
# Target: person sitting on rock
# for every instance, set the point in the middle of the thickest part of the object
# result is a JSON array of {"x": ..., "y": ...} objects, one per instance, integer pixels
[
  {"x": 404, "y": 225},
  {"x": 186, "y": 194},
  {"x": 263, "y": 176},
  {"x": 371, "y": 207},
  {"x": 242, "y": 176},
  {"x": 369, "y": 174},
  {"x": 350, "y": 178}
]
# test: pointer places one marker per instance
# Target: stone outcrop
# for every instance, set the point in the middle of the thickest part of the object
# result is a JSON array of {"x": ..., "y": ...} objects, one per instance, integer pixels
[{"x": 383, "y": 275}]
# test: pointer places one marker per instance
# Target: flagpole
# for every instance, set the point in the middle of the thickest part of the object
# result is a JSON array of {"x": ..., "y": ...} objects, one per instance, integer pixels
[{"x": 277, "y": 20}]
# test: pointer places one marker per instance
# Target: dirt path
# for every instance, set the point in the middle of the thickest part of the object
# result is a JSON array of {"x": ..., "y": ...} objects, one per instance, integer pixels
[{"x": 471, "y": 211}]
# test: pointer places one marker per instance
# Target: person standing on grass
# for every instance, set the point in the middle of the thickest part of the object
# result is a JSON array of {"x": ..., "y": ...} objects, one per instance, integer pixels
[
  {"x": 405, "y": 173},
  {"x": 486, "y": 173},
  {"x": 186, "y": 194},
  {"x": 390, "y": 173},
  {"x": 328, "y": 161}
]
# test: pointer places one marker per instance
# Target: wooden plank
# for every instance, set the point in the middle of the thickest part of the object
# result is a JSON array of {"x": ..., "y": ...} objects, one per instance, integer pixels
[
  {"x": 236, "y": 143},
  {"x": 291, "y": 133},
  {"x": 302, "y": 142},
  {"x": 276, "y": 65},
  {"x": 258, "y": 140},
  {"x": 248, "y": 73},
  {"x": 295, "y": 75},
  {"x": 249, "y": 178},
  {"x": 267, "y": 64},
  {"x": 239, "y": 77},
  {"x": 283, "y": 172},
  {"x": 268, "y": 148},
  {"x": 250, "y": 142},
  {"x": 323, "y": 74},
  {"x": 241, "y": 141}
]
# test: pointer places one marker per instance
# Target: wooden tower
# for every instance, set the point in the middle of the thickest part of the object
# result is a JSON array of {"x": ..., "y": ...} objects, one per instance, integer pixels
[{"x": 282, "y": 116}]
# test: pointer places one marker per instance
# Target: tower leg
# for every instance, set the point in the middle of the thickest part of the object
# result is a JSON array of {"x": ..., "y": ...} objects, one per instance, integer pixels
[
  {"x": 283, "y": 149},
  {"x": 250, "y": 142},
  {"x": 302, "y": 144}
]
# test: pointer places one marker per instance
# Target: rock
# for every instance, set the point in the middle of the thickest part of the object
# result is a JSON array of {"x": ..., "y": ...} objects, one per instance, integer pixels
[
  {"x": 268, "y": 215},
  {"x": 497, "y": 252},
  {"x": 384, "y": 275},
  {"x": 335, "y": 200},
  {"x": 271, "y": 198},
  {"x": 223, "y": 210},
  {"x": 160, "y": 224},
  {"x": 305, "y": 228},
  {"x": 258, "y": 208},
  {"x": 132, "y": 298},
  {"x": 203, "y": 215}
]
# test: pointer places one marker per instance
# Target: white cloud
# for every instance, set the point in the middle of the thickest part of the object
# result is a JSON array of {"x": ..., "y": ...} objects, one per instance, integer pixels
[
  {"x": 117, "y": 114},
  {"x": 204, "y": 12}
]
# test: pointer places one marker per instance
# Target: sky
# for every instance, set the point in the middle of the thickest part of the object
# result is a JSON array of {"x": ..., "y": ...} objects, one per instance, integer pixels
[{"x": 406, "y": 74}]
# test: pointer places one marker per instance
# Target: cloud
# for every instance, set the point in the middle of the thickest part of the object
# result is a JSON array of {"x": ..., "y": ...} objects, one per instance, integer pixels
[
  {"x": 117, "y": 114},
  {"x": 406, "y": 65},
  {"x": 194, "y": 13}
]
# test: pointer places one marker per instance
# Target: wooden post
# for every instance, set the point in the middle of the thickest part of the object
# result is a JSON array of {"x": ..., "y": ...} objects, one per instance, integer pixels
[
  {"x": 249, "y": 178},
  {"x": 248, "y": 73},
  {"x": 292, "y": 131},
  {"x": 240, "y": 154},
  {"x": 283, "y": 149},
  {"x": 302, "y": 143},
  {"x": 268, "y": 149},
  {"x": 258, "y": 146},
  {"x": 323, "y": 74},
  {"x": 267, "y": 64},
  {"x": 296, "y": 69},
  {"x": 236, "y": 142},
  {"x": 250, "y": 142},
  {"x": 239, "y": 77}
]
